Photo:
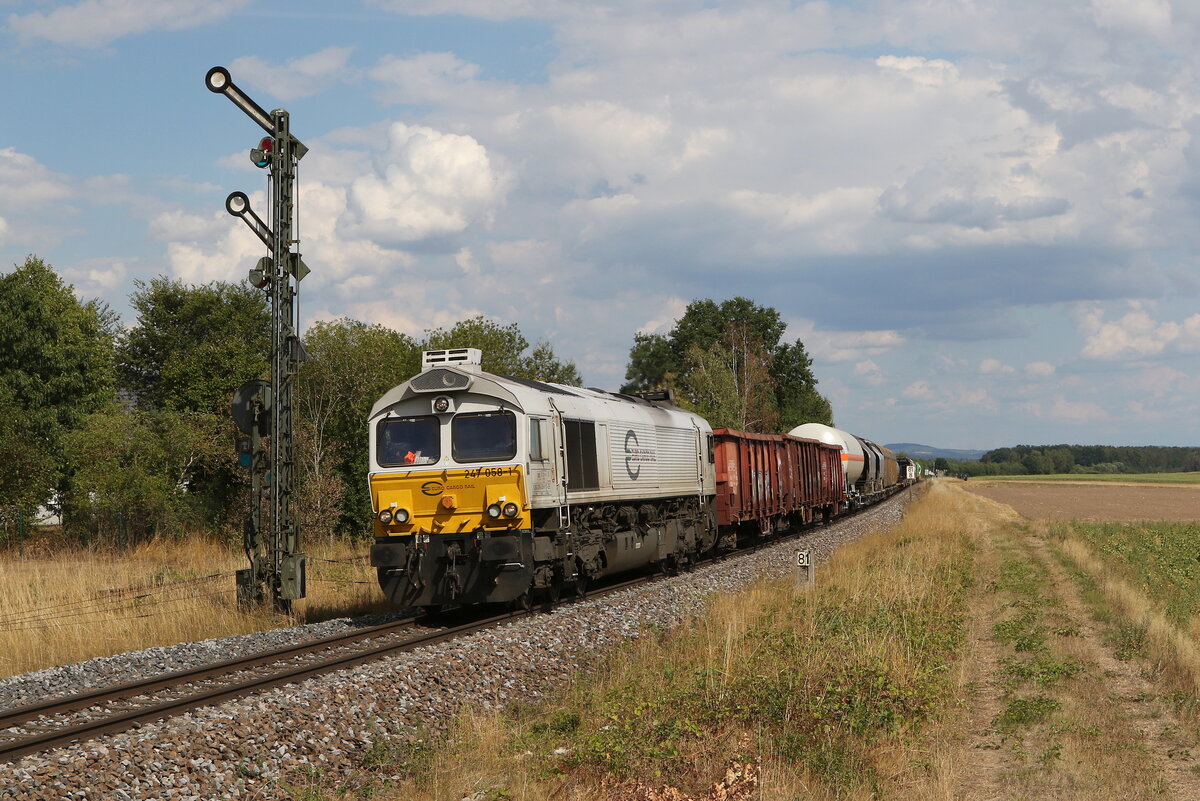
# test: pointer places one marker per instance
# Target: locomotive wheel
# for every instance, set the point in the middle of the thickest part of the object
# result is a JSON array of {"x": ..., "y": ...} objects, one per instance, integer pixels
[{"x": 523, "y": 602}]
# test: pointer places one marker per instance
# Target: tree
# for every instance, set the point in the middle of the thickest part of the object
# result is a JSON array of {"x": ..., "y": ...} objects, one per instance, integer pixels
[
  {"x": 730, "y": 384},
  {"x": 192, "y": 346},
  {"x": 651, "y": 363},
  {"x": 941, "y": 464},
  {"x": 56, "y": 368},
  {"x": 656, "y": 361},
  {"x": 796, "y": 389},
  {"x": 28, "y": 477},
  {"x": 543, "y": 365},
  {"x": 503, "y": 348},
  {"x": 350, "y": 366},
  {"x": 143, "y": 473}
]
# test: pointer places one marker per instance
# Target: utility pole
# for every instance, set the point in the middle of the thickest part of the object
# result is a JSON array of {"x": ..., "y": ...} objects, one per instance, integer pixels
[{"x": 263, "y": 409}]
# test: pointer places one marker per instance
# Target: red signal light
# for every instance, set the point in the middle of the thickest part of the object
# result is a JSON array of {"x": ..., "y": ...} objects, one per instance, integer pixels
[{"x": 261, "y": 155}]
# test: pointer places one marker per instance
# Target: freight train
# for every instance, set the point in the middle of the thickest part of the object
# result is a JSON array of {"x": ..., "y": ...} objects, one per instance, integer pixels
[{"x": 493, "y": 489}]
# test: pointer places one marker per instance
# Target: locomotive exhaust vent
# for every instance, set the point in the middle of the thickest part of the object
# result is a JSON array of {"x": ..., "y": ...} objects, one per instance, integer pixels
[{"x": 468, "y": 359}]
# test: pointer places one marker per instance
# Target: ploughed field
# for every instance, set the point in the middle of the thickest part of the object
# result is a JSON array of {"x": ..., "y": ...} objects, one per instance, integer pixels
[{"x": 1081, "y": 500}]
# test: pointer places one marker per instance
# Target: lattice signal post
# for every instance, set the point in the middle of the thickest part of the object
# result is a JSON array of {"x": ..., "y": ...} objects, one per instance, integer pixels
[{"x": 264, "y": 409}]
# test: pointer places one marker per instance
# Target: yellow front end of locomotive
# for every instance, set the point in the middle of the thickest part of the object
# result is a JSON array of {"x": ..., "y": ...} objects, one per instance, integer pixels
[{"x": 450, "y": 501}]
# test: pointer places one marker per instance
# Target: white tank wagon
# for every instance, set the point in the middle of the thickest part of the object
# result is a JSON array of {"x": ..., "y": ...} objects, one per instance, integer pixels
[
  {"x": 487, "y": 488},
  {"x": 871, "y": 470}
]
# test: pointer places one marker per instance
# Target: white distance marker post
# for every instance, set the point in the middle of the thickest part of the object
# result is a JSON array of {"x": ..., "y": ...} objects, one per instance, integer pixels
[{"x": 806, "y": 571}]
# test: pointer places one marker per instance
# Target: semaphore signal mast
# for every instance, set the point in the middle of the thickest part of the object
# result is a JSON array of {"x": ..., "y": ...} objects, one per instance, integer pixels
[{"x": 263, "y": 409}]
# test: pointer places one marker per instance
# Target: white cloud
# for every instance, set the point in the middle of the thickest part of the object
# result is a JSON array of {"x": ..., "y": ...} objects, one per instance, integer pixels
[
  {"x": 299, "y": 77},
  {"x": 28, "y": 184},
  {"x": 844, "y": 346},
  {"x": 1135, "y": 335},
  {"x": 98, "y": 276},
  {"x": 919, "y": 390},
  {"x": 1039, "y": 369},
  {"x": 995, "y": 367},
  {"x": 870, "y": 373},
  {"x": 423, "y": 78},
  {"x": 1148, "y": 16},
  {"x": 95, "y": 23},
  {"x": 427, "y": 184}
]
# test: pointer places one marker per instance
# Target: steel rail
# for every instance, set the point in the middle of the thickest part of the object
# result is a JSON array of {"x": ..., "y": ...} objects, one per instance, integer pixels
[
  {"x": 117, "y": 692},
  {"x": 124, "y": 719}
]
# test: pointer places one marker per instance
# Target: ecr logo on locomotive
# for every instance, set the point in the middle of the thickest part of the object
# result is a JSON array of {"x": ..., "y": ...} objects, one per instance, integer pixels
[{"x": 636, "y": 455}]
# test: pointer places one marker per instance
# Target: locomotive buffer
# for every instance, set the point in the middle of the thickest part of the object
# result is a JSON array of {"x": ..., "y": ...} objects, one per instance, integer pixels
[{"x": 262, "y": 409}]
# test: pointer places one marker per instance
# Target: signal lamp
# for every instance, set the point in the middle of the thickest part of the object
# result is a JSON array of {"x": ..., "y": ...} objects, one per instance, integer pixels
[
  {"x": 510, "y": 509},
  {"x": 385, "y": 516},
  {"x": 494, "y": 511},
  {"x": 261, "y": 155}
]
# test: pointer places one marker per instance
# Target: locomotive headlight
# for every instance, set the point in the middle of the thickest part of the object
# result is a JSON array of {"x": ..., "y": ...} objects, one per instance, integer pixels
[
  {"x": 494, "y": 511},
  {"x": 441, "y": 404},
  {"x": 401, "y": 516},
  {"x": 385, "y": 516},
  {"x": 511, "y": 509}
]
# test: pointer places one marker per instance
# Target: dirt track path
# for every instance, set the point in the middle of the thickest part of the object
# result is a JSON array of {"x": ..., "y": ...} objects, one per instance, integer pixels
[{"x": 1109, "y": 735}]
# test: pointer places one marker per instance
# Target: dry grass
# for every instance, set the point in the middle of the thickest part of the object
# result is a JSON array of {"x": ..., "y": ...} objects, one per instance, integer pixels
[
  {"x": 58, "y": 608},
  {"x": 827, "y": 693}
]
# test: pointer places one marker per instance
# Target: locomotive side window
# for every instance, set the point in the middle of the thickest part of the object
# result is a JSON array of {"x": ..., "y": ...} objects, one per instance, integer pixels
[
  {"x": 582, "y": 471},
  {"x": 712, "y": 457},
  {"x": 536, "y": 453},
  {"x": 483, "y": 436},
  {"x": 408, "y": 440}
]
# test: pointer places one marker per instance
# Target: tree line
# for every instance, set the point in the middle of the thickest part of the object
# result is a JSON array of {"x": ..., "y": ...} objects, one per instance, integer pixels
[
  {"x": 1081, "y": 459},
  {"x": 125, "y": 432}
]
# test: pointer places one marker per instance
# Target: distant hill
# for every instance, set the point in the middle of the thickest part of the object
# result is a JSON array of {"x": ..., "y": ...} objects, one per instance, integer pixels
[{"x": 920, "y": 452}]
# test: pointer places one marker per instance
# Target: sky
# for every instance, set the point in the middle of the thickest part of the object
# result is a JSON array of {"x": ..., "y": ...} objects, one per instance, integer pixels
[{"x": 979, "y": 217}]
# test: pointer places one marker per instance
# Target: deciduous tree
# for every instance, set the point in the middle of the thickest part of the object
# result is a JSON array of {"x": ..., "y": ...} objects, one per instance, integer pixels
[
  {"x": 56, "y": 368},
  {"x": 192, "y": 346}
]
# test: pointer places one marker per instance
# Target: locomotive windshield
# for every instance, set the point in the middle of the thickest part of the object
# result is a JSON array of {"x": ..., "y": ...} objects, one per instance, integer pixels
[
  {"x": 484, "y": 436},
  {"x": 409, "y": 440}
]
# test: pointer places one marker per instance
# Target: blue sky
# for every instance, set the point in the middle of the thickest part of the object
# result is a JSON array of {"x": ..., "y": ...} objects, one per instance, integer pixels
[{"x": 979, "y": 218}]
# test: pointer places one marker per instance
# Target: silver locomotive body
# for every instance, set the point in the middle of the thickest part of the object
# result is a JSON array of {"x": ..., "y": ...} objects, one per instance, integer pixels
[{"x": 487, "y": 488}]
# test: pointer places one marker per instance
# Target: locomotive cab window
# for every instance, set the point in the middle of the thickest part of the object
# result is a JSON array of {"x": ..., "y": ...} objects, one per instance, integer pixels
[
  {"x": 712, "y": 457},
  {"x": 409, "y": 441},
  {"x": 536, "y": 451},
  {"x": 484, "y": 436}
]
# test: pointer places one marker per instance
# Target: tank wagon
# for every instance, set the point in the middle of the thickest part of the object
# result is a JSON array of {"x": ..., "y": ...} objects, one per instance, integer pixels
[
  {"x": 765, "y": 481},
  {"x": 871, "y": 471},
  {"x": 489, "y": 488}
]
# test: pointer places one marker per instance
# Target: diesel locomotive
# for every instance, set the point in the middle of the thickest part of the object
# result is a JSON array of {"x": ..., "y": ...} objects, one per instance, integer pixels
[{"x": 489, "y": 488}]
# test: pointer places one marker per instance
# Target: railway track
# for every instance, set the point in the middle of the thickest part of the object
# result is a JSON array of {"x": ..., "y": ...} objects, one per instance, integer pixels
[{"x": 60, "y": 722}]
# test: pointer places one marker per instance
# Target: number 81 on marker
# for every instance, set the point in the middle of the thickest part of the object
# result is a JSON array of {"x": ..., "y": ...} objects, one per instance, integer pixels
[{"x": 803, "y": 559}]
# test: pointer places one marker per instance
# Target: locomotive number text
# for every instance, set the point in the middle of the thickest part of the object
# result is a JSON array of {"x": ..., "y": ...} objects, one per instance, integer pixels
[{"x": 489, "y": 472}]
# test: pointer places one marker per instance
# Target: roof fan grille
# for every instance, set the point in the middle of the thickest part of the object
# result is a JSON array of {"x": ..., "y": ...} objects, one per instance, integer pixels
[{"x": 438, "y": 380}]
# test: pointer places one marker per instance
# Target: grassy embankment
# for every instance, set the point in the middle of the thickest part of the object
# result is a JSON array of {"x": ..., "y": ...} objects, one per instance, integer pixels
[
  {"x": 948, "y": 658},
  {"x": 1173, "y": 479},
  {"x": 827, "y": 692},
  {"x": 57, "y": 608}
]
